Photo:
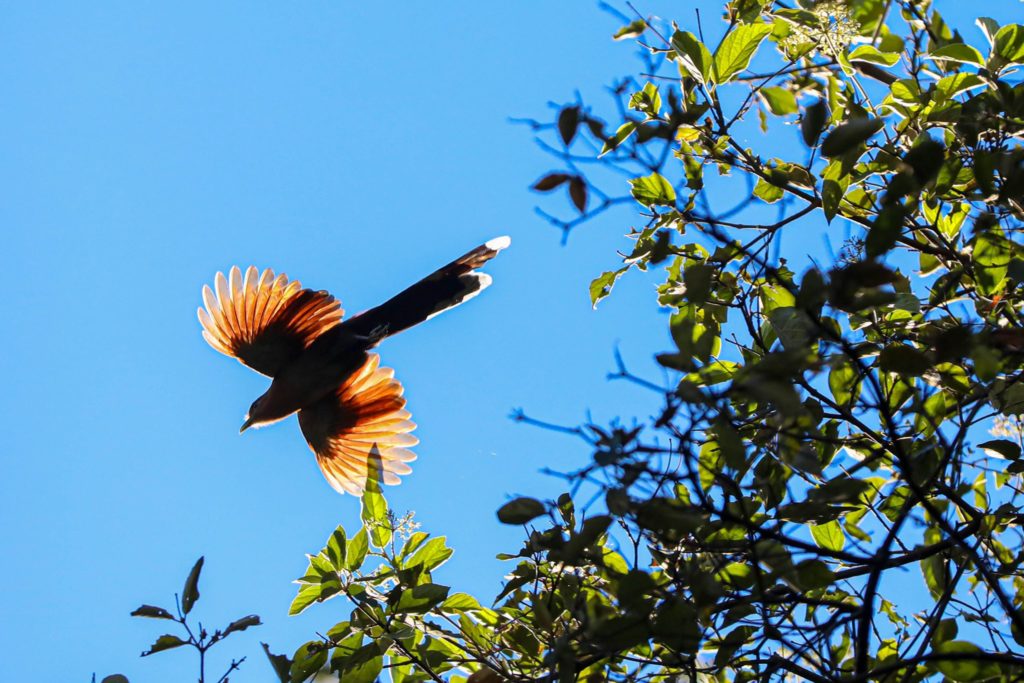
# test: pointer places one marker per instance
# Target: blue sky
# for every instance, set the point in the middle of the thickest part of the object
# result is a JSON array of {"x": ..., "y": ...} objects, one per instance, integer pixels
[{"x": 354, "y": 146}]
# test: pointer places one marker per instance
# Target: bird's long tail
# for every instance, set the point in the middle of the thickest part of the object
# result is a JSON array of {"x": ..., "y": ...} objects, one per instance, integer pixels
[{"x": 445, "y": 288}]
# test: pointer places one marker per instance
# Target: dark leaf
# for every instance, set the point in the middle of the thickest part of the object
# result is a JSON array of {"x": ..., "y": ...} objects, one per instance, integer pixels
[
  {"x": 926, "y": 159},
  {"x": 904, "y": 360},
  {"x": 164, "y": 642},
  {"x": 1002, "y": 448},
  {"x": 242, "y": 624},
  {"x": 520, "y": 511},
  {"x": 849, "y": 135},
  {"x": 578, "y": 193},
  {"x": 190, "y": 593},
  {"x": 115, "y": 678},
  {"x": 885, "y": 230},
  {"x": 813, "y": 122},
  {"x": 152, "y": 612},
  {"x": 568, "y": 121},
  {"x": 550, "y": 182},
  {"x": 282, "y": 665}
]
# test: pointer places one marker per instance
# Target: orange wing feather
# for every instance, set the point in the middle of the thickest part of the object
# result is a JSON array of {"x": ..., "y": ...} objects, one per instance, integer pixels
[
  {"x": 364, "y": 418},
  {"x": 262, "y": 320}
]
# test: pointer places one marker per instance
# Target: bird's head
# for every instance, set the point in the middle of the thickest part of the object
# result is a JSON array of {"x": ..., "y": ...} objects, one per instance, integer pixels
[{"x": 267, "y": 409}]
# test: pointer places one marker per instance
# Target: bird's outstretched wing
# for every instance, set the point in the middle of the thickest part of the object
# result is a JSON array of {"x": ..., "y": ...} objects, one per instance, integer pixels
[
  {"x": 364, "y": 418},
  {"x": 262, "y": 320}
]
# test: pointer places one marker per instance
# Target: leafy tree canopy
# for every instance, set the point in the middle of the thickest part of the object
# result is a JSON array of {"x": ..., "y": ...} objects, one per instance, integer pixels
[{"x": 831, "y": 490}]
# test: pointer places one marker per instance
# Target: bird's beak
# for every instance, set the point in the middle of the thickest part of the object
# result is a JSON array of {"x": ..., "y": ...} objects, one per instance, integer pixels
[{"x": 246, "y": 424}]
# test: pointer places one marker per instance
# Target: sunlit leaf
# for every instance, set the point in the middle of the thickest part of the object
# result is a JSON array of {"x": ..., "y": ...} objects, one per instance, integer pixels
[
  {"x": 736, "y": 50},
  {"x": 653, "y": 190}
]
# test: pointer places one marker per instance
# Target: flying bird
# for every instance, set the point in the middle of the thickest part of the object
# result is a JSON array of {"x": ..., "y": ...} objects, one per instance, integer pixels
[{"x": 350, "y": 408}]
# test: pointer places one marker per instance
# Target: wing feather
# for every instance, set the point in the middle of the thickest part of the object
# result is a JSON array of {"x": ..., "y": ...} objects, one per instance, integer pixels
[
  {"x": 263, "y": 320},
  {"x": 364, "y": 418}
]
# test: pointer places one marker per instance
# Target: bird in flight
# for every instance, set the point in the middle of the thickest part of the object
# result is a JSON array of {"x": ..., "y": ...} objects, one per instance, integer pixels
[{"x": 351, "y": 409}]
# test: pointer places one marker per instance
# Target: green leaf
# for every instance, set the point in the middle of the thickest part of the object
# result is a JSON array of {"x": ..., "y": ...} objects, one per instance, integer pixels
[
  {"x": 780, "y": 101},
  {"x": 621, "y": 135},
  {"x": 355, "y": 664},
  {"x": 307, "y": 595},
  {"x": 849, "y": 135},
  {"x": 792, "y": 326},
  {"x": 647, "y": 100},
  {"x": 697, "y": 279},
  {"x": 1001, "y": 448},
  {"x": 460, "y": 602},
  {"x": 961, "y": 53},
  {"x": 520, "y": 511},
  {"x": 949, "y": 87},
  {"x": 115, "y": 678},
  {"x": 767, "y": 192},
  {"x": 1009, "y": 44},
  {"x": 190, "y": 593},
  {"x": 907, "y": 91},
  {"x": 634, "y": 29},
  {"x": 992, "y": 254},
  {"x": 871, "y": 54},
  {"x": 164, "y": 642},
  {"x": 844, "y": 384},
  {"x": 602, "y": 285},
  {"x": 152, "y": 612},
  {"x": 935, "y": 575},
  {"x": 963, "y": 669},
  {"x": 653, "y": 190},
  {"x": 709, "y": 464},
  {"x": 834, "y": 185},
  {"x": 335, "y": 548},
  {"x": 307, "y": 661},
  {"x": 375, "y": 508},
  {"x": 431, "y": 555},
  {"x": 693, "y": 56},
  {"x": 356, "y": 551},
  {"x": 421, "y": 599},
  {"x": 737, "y": 49},
  {"x": 829, "y": 535}
]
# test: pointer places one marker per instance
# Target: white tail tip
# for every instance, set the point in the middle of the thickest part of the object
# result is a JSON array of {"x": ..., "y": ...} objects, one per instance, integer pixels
[{"x": 498, "y": 243}]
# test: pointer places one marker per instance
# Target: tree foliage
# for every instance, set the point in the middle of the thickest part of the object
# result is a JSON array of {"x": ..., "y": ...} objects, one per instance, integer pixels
[{"x": 831, "y": 489}]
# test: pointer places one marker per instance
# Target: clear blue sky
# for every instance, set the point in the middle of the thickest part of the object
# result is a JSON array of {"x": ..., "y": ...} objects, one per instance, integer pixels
[{"x": 355, "y": 146}]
